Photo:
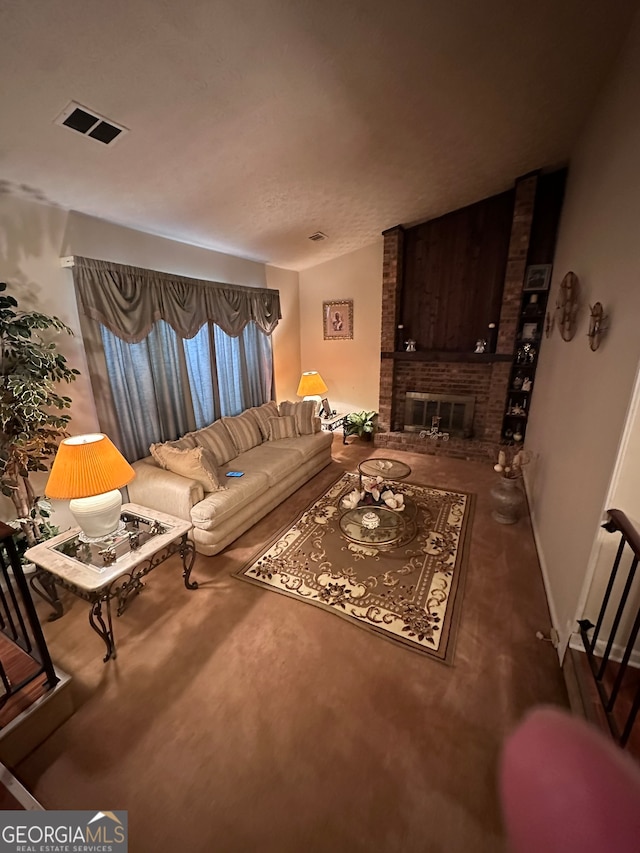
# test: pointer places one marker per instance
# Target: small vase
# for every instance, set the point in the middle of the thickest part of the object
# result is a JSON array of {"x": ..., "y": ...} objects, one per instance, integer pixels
[{"x": 508, "y": 501}]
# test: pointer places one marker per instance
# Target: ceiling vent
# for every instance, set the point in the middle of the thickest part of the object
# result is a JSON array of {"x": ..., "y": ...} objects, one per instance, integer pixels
[
  {"x": 90, "y": 124},
  {"x": 318, "y": 236}
]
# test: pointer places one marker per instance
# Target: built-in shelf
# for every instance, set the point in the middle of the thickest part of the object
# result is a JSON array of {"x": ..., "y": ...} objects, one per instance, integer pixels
[{"x": 444, "y": 355}]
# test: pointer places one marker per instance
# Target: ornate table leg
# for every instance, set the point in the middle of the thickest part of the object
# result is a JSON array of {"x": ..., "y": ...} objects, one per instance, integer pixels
[
  {"x": 102, "y": 629},
  {"x": 133, "y": 586},
  {"x": 44, "y": 584},
  {"x": 188, "y": 554}
]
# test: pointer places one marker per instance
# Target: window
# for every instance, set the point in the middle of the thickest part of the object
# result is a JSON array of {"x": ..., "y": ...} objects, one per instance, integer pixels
[{"x": 166, "y": 386}]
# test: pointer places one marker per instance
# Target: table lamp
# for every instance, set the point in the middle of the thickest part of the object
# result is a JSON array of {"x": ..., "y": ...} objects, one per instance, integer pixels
[
  {"x": 89, "y": 472},
  {"x": 311, "y": 386}
]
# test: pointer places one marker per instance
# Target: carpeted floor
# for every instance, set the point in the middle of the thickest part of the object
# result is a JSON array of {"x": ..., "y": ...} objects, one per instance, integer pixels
[{"x": 239, "y": 720}]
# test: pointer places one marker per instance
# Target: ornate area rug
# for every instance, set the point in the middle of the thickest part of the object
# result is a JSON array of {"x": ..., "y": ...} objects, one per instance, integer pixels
[{"x": 410, "y": 593}]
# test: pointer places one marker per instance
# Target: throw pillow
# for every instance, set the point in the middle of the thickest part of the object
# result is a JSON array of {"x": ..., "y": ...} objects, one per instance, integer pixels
[
  {"x": 304, "y": 414},
  {"x": 282, "y": 427},
  {"x": 216, "y": 438},
  {"x": 184, "y": 443},
  {"x": 244, "y": 431},
  {"x": 262, "y": 415},
  {"x": 305, "y": 417},
  {"x": 196, "y": 463}
]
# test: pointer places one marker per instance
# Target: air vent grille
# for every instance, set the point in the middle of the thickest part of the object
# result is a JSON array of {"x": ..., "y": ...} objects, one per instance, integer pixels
[
  {"x": 318, "y": 236},
  {"x": 90, "y": 124}
]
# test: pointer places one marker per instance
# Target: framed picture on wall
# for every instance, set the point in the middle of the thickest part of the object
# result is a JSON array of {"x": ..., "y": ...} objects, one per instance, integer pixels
[
  {"x": 538, "y": 277},
  {"x": 337, "y": 319}
]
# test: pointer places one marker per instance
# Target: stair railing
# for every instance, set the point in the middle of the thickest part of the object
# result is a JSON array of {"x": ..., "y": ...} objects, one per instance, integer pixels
[
  {"x": 19, "y": 621},
  {"x": 610, "y": 693}
]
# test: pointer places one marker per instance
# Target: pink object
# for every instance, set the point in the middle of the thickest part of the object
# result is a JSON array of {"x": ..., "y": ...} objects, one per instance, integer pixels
[{"x": 564, "y": 787}]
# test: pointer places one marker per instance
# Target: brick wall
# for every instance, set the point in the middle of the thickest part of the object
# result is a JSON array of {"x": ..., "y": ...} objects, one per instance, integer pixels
[{"x": 517, "y": 262}]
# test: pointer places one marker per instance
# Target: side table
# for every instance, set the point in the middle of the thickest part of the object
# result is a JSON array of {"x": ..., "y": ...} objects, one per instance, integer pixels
[
  {"x": 335, "y": 422},
  {"x": 101, "y": 572}
]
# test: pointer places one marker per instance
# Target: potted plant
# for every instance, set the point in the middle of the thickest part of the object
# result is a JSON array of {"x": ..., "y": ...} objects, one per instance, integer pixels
[
  {"x": 362, "y": 424},
  {"x": 32, "y": 418}
]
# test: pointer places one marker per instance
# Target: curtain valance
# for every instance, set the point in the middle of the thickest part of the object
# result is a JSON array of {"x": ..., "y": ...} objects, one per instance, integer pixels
[{"x": 129, "y": 300}]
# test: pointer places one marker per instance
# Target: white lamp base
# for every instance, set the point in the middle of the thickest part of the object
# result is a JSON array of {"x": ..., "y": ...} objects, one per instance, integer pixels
[
  {"x": 97, "y": 516},
  {"x": 317, "y": 399}
]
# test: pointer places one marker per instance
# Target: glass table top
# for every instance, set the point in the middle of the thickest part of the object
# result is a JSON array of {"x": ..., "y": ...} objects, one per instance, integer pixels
[
  {"x": 134, "y": 531},
  {"x": 390, "y": 469}
]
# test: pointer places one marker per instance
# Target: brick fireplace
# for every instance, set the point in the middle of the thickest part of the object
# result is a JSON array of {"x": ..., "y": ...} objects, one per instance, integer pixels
[{"x": 484, "y": 376}]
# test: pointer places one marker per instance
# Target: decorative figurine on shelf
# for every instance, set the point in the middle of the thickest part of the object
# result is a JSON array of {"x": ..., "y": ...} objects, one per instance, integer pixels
[
  {"x": 517, "y": 435},
  {"x": 518, "y": 382},
  {"x": 526, "y": 354},
  {"x": 399, "y": 336},
  {"x": 517, "y": 409},
  {"x": 481, "y": 346},
  {"x": 410, "y": 345},
  {"x": 532, "y": 305},
  {"x": 526, "y": 384}
]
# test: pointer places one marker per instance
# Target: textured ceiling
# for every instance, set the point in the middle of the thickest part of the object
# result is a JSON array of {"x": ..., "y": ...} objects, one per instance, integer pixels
[{"x": 255, "y": 123}]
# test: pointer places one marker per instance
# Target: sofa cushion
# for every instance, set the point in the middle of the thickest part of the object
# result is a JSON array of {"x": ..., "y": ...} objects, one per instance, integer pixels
[
  {"x": 218, "y": 506},
  {"x": 216, "y": 438},
  {"x": 304, "y": 446},
  {"x": 195, "y": 463},
  {"x": 284, "y": 427},
  {"x": 244, "y": 431},
  {"x": 304, "y": 413},
  {"x": 270, "y": 459},
  {"x": 262, "y": 415}
]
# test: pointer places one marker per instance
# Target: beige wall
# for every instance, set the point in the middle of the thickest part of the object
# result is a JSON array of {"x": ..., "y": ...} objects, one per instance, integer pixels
[
  {"x": 96, "y": 238},
  {"x": 350, "y": 368},
  {"x": 286, "y": 338},
  {"x": 580, "y": 397}
]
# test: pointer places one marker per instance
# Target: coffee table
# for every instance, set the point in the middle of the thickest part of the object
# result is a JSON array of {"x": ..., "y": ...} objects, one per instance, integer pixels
[
  {"x": 389, "y": 469},
  {"x": 99, "y": 573},
  {"x": 380, "y": 526}
]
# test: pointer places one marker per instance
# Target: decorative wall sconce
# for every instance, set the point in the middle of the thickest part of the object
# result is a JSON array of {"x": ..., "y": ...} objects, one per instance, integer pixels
[
  {"x": 567, "y": 306},
  {"x": 597, "y": 325}
]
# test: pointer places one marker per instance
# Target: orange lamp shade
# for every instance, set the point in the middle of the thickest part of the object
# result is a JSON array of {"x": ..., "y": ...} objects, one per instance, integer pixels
[
  {"x": 311, "y": 384},
  {"x": 87, "y": 465}
]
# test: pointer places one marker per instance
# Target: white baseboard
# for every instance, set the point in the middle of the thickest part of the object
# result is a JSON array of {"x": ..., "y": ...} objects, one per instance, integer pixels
[
  {"x": 563, "y": 636},
  {"x": 616, "y": 653}
]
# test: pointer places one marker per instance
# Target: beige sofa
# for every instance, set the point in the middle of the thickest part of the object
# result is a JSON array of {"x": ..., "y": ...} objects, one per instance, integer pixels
[{"x": 221, "y": 508}]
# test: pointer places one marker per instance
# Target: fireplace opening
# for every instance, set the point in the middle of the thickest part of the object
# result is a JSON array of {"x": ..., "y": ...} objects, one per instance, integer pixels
[{"x": 455, "y": 413}]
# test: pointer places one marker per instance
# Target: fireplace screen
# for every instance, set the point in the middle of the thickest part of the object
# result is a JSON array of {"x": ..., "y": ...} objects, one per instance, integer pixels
[{"x": 455, "y": 413}]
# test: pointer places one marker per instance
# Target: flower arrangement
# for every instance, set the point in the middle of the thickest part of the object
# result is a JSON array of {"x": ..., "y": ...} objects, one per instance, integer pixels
[
  {"x": 511, "y": 461},
  {"x": 373, "y": 493}
]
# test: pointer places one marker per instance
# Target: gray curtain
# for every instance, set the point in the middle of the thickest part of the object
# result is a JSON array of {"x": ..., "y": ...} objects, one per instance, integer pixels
[
  {"x": 156, "y": 383},
  {"x": 129, "y": 300}
]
